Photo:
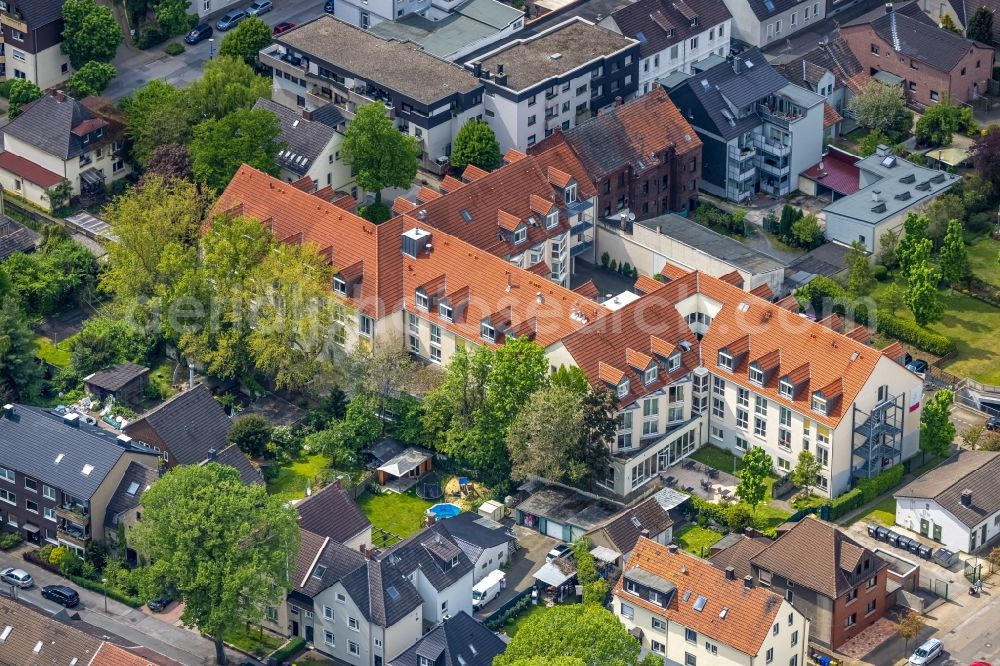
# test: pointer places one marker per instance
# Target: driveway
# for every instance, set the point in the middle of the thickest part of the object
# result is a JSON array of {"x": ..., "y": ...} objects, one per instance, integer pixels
[
  {"x": 170, "y": 640},
  {"x": 528, "y": 559}
]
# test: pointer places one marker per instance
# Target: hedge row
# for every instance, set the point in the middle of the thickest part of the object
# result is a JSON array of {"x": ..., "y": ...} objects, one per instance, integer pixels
[
  {"x": 908, "y": 331},
  {"x": 114, "y": 593},
  {"x": 289, "y": 649},
  {"x": 866, "y": 491}
]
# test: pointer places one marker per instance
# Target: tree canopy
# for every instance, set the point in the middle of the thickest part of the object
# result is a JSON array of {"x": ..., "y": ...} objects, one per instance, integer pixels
[
  {"x": 986, "y": 155},
  {"x": 882, "y": 107},
  {"x": 246, "y": 40},
  {"x": 91, "y": 79},
  {"x": 90, "y": 32},
  {"x": 245, "y": 136},
  {"x": 937, "y": 124},
  {"x": 380, "y": 154},
  {"x": 954, "y": 257},
  {"x": 806, "y": 470},
  {"x": 226, "y": 548},
  {"x": 860, "y": 279},
  {"x": 752, "y": 487},
  {"x": 921, "y": 294},
  {"x": 476, "y": 144},
  {"x": 21, "y": 92},
  {"x": 252, "y": 433},
  {"x": 936, "y": 429},
  {"x": 156, "y": 114},
  {"x": 173, "y": 18},
  {"x": 20, "y": 374},
  {"x": 543, "y": 435},
  {"x": 980, "y": 26},
  {"x": 227, "y": 84},
  {"x": 169, "y": 161}
]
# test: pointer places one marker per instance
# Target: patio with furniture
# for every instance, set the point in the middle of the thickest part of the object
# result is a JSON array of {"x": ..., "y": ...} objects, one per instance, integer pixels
[{"x": 699, "y": 479}]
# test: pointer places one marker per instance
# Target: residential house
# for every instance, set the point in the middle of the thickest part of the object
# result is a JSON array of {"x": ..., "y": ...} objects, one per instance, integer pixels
[
  {"x": 311, "y": 145},
  {"x": 59, "y": 138},
  {"x": 537, "y": 211},
  {"x": 931, "y": 62},
  {"x": 725, "y": 366},
  {"x": 32, "y": 40},
  {"x": 190, "y": 429},
  {"x": 328, "y": 61},
  {"x": 672, "y": 36},
  {"x": 889, "y": 187},
  {"x": 763, "y": 22},
  {"x": 835, "y": 175},
  {"x": 488, "y": 544},
  {"x": 58, "y": 475},
  {"x": 688, "y": 612},
  {"x": 735, "y": 551},
  {"x": 15, "y": 237},
  {"x": 124, "y": 382},
  {"x": 563, "y": 513},
  {"x": 957, "y": 504},
  {"x": 759, "y": 131},
  {"x": 124, "y": 508},
  {"x": 554, "y": 80},
  {"x": 458, "y": 641},
  {"x": 961, "y": 12},
  {"x": 652, "y": 518},
  {"x": 834, "y": 581},
  {"x": 651, "y": 245},
  {"x": 643, "y": 157},
  {"x": 331, "y": 512}
]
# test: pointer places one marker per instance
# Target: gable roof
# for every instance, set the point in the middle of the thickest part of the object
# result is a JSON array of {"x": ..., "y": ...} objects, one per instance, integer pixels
[
  {"x": 458, "y": 641},
  {"x": 835, "y": 56},
  {"x": 232, "y": 456},
  {"x": 384, "y": 597},
  {"x": 37, "y": 13},
  {"x": 659, "y": 24},
  {"x": 305, "y": 140},
  {"x": 189, "y": 424},
  {"x": 330, "y": 512},
  {"x": 750, "y": 611},
  {"x": 15, "y": 237},
  {"x": 977, "y": 471},
  {"x": 28, "y": 170},
  {"x": 474, "y": 533},
  {"x": 431, "y": 551},
  {"x": 636, "y": 133},
  {"x": 922, "y": 40},
  {"x": 648, "y": 518},
  {"x": 739, "y": 554},
  {"x": 817, "y": 555},
  {"x": 117, "y": 377},
  {"x": 764, "y": 9},
  {"x": 48, "y": 124},
  {"x": 136, "y": 480}
]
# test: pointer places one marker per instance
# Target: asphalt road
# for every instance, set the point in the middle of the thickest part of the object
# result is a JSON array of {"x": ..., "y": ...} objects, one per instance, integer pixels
[
  {"x": 977, "y": 638},
  {"x": 136, "y": 69}
]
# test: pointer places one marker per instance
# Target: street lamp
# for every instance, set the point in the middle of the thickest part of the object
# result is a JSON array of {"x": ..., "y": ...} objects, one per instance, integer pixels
[
  {"x": 105, "y": 581},
  {"x": 211, "y": 47}
]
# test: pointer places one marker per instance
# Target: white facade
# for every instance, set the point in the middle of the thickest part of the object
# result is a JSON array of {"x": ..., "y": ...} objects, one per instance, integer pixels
[
  {"x": 490, "y": 560},
  {"x": 47, "y": 68},
  {"x": 779, "y": 25},
  {"x": 108, "y": 159},
  {"x": 366, "y": 13},
  {"x": 439, "y": 605},
  {"x": 930, "y": 519}
]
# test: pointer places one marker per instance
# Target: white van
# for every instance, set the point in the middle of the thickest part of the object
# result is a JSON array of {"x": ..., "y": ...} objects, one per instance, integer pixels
[{"x": 488, "y": 588}]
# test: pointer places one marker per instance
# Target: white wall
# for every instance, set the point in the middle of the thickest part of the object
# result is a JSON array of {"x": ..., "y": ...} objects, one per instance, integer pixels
[
  {"x": 490, "y": 560},
  {"x": 458, "y": 597},
  {"x": 909, "y": 512}
]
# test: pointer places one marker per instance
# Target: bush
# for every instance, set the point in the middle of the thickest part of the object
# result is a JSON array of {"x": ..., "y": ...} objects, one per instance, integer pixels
[
  {"x": 880, "y": 272},
  {"x": 290, "y": 648},
  {"x": 57, "y": 554},
  {"x": 45, "y": 551},
  {"x": 846, "y": 503},
  {"x": 909, "y": 332},
  {"x": 113, "y": 592},
  {"x": 605, "y": 258},
  {"x": 9, "y": 540},
  {"x": 5, "y": 88},
  {"x": 174, "y": 49},
  {"x": 626, "y": 268},
  {"x": 981, "y": 223},
  {"x": 375, "y": 212},
  {"x": 150, "y": 36},
  {"x": 614, "y": 265},
  {"x": 884, "y": 482}
]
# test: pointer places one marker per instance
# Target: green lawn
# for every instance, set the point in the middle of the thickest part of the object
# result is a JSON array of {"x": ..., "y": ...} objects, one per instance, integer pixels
[
  {"x": 400, "y": 514},
  {"x": 883, "y": 513},
  {"x": 291, "y": 481},
  {"x": 983, "y": 260},
  {"x": 717, "y": 458},
  {"x": 254, "y": 641},
  {"x": 512, "y": 626},
  {"x": 696, "y": 539},
  {"x": 161, "y": 375},
  {"x": 53, "y": 354}
]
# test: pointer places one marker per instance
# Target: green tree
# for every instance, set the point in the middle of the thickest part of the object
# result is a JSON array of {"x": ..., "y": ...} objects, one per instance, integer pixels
[
  {"x": 548, "y": 661},
  {"x": 571, "y": 377},
  {"x": 893, "y": 298},
  {"x": 948, "y": 23},
  {"x": 870, "y": 142},
  {"x": 937, "y": 124},
  {"x": 940, "y": 212},
  {"x": 476, "y": 144},
  {"x": 226, "y": 548},
  {"x": 752, "y": 487},
  {"x": 252, "y": 433},
  {"x": 584, "y": 631},
  {"x": 887, "y": 243},
  {"x": 380, "y": 155},
  {"x": 911, "y": 248},
  {"x": 937, "y": 432},
  {"x": 881, "y": 107},
  {"x": 170, "y": 161},
  {"x": 544, "y": 434},
  {"x": 173, "y": 17},
  {"x": 820, "y": 293},
  {"x": 91, "y": 79},
  {"x": 21, "y": 92},
  {"x": 246, "y": 40},
  {"x": 806, "y": 470},
  {"x": 383, "y": 371},
  {"x": 90, "y": 32},
  {"x": 61, "y": 275},
  {"x": 20, "y": 374},
  {"x": 954, "y": 257},
  {"x": 789, "y": 214},
  {"x": 806, "y": 232},
  {"x": 909, "y": 626},
  {"x": 860, "y": 279},
  {"x": 108, "y": 338},
  {"x": 922, "y": 293},
  {"x": 980, "y": 26},
  {"x": 156, "y": 114},
  {"x": 246, "y": 136},
  {"x": 973, "y": 435},
  {"x": 227, "y": 84}
]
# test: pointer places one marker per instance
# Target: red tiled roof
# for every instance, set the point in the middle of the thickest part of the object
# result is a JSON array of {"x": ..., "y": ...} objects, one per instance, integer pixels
[
  {"x": 588, "y": 289},
  {"x": 507, "y": 221},
  {"x": 28, "y": 170},
  {"x": 673, "y": 271},
  {"x": 763, "y": 290},
  {"x": 88, "y": 126},
  {"x": 830, "y": 116},
  {"x": 645, "y": 284},
  {"x": 472, "y": 173},
  {"x": 450, "y": 184},
  {"x": 838, "y": 173},
  {"x": 789, "y": 302},
  {"x": 734, "y": 278},
  {"x": 513, "y": 155}
]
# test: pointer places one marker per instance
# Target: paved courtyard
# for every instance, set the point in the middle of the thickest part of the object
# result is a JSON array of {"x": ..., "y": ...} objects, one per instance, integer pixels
[{"x": 693, "y": 477}]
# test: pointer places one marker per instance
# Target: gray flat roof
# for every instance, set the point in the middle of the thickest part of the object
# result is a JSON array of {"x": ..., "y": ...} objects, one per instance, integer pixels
[
  {"x": 701, "y": 238},
  {"x": 573, "y": 43},
  {"x": 804, "y": 98},
  {"x": 466, "y": 25},
  {"x": 902, "y": 185},
  {"x": 399, "y": 66}
]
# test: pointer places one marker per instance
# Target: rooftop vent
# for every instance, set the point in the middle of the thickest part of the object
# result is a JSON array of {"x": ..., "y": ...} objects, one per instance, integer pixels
[
  {"x": 748, "y": 581},
  {"x": 555, "y": 56},
  {"x": 879, "y": 208},
  {"x": 71, "y": 419},
  {"x": 966, "y": 497},
  {"x": 8, "y": 411},
  {"x": 123, "y": 440},
  {"x": 414, "y": 241},
  {"x": 876, "y": 195}
]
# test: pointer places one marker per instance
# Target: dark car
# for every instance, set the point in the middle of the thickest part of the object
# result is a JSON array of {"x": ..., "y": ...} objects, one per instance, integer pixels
[
  {"x": 61, "y": 594},
  {"x": 918, "y": 365},
  {"x": 282, "y": 27},
  {"x": 328, "y": 7},
  {"x": 200, "y": 33},
  {"x": 160, "y": 603},
  {"x": 993, "y": 423},
  {"x": 230, "y": 20}
]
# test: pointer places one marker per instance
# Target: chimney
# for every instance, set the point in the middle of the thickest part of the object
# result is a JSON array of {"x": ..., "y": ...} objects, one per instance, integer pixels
[
  {"x": 730, "y": 573},
  {"x": 339, "y": 482},
  {"x": 673, "y": 548},
  {"x": 966, "y": 497},
  {"x": 736, "y": 64},
  {"x": 71, "y": 419},
  {"x": 644, "y": 533},
  {"x": 500, "y": 69},
  {"x": 477, "y": 69},
  {"x": 190, "y": 375},
  {"x": 501, "y": 78},
  {"x": 213, "y": 454},
  {"x": 876, "y": 195},
  {"x": 307, "y": 114},
  {"x": 8, "y": 411},
  {"x": 888, "y": 8},
  {"x": 748, "y": 581},
  {"x": 539, "y": 298},
  {"x": 59, "y": 95},
  {"x": 619, "y": 101},
  {"x": 822, "y": 166},
  {"x": 124, "y": 440}
]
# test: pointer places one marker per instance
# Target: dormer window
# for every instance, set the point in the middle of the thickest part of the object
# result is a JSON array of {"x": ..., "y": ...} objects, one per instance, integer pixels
[
  {"x": 421, "y": 299},
  {"x": 725, "y": 360},
  {"x": 340, "y": 285},
  {"x": 552, "y": 219},
  {"x": 631, "y": 587},
  {"x": 756, "y": 374},
  {"x": 569, "y": 194},
  {"x": 819, "y": 403},
  {"x": 673, "y": 362},
  {"x": 445, "y": 311},
  {"x": 623, "y": 388},
  {"x": 520, "y": 234},
  {"x": 486, "y": 330},
  {"x": 100, "y": 132},
  {"x": 650, "y": 375},
  {"x": 786, "y": 388},
  {"x": 694, "y": 21}
]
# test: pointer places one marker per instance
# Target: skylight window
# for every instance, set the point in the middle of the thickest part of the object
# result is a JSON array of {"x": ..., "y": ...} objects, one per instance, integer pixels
[
  {"x": 133, "y": 488},
  {"x": 699, "y": 603},
  {"x": 320, "y": 571},
  {"x": 5, "y": 634},
  {"x": 59, "y": 458},
  {"x": 641, "y": 36},
  {"x": 392, "y": 592},
  {"x": 466, "y": 215},
  {"x": 87, "y": 469}
]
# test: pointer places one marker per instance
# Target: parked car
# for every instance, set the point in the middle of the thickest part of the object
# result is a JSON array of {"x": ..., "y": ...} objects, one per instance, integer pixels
[
  {"x": 260, "y": 7},
  {"x": 61, "y": 594},
  {"x": 160, "y": 603},
  {"x": 927, "y": 652},
  {"x": 993, "y": 423},
  {"x": 282, "y": 27},
  {"x": 18, "y": 577},
  {"x": 200, "y": 33},
  {"x": 562, "y": 550},
  {"x": 919, "y": 366},
  {"x": 488, "y": 588},
  {"x": 230, "y": 20},
  {"x": 328, "y": 7}
]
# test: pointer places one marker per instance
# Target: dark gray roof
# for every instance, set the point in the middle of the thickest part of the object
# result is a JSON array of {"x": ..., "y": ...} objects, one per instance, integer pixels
[
  {"x": 38, "y": 13},
  {"x": 47, "y": 124},
  {"x": 431, "y": 551},
  {"x": 766, "y": 8},
  {"x": 235, "y": 458},
  {"x": 625, "y": 529},
  {"x": 15, "y": 237},
  {"x": 569, "y": 507},
  {"x": 835, "y": 56},
  {"x": 335, "y": 562},
  {"x": 190, "y": 424},
  {"x": 636, "y": 21},
  {"x": 332, "y": 513},
  {"x": 458, "y": 641},
  {"x": 135, "y": 481},
  {"x": 384, "y": 595},
  {"x": 703, "y": 239},
  {"x": 978, "y": 471},
  {"x": 738, "y": 554},
  {"x": 922, "y": 40},
  {"x": 329, "y": 115},
  {"x": 117, "y": 377},
  {"x": 37, "y": 442},
  {"x": 304, "y": 139},
  {"x": 474, "y": 534}
]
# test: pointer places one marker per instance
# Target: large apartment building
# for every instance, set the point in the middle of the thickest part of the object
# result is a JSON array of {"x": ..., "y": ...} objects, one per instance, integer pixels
[
  {"x": 30, "y": 42},
  {"x": 58, "y": 475}
]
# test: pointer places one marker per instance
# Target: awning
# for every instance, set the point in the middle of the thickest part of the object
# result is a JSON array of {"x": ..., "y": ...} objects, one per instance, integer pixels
[
  {"x": 637, "y": 632},
  {"x": 888, "y": 78},
  {"x": 604, "y": 554},
  {"x": 405, "y": 462},
  {"x": 31, "y": 527},
  {"x": 550, "y": 574},
  {"x": 92, "y": 177}
]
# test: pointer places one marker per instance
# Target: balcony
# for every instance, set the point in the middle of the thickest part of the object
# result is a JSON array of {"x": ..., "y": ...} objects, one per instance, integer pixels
[
  {"x": 13, "y": 21},
  {"x": 777, "y": 117},
  {"x": 774, "y": 170},
  {"x": 582, "y": 248},
  {"x": 581, "y": 226},
  {"x": 579, "y": 206},
  {"x": 76, "y": 536},
  {"x": 772, "y": 147},
  {"x": 73, "y": 511}
]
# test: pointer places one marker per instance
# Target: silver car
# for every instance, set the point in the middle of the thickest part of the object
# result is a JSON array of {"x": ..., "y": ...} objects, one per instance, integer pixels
[
  {"x": 18, "y": 577},
  {"x": 927, "y": 653},
  {"x": 260, "y": 7}
]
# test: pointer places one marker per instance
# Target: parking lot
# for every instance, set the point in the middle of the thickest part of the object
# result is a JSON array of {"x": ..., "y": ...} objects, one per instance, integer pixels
[{"x": 528, "y": 559}]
